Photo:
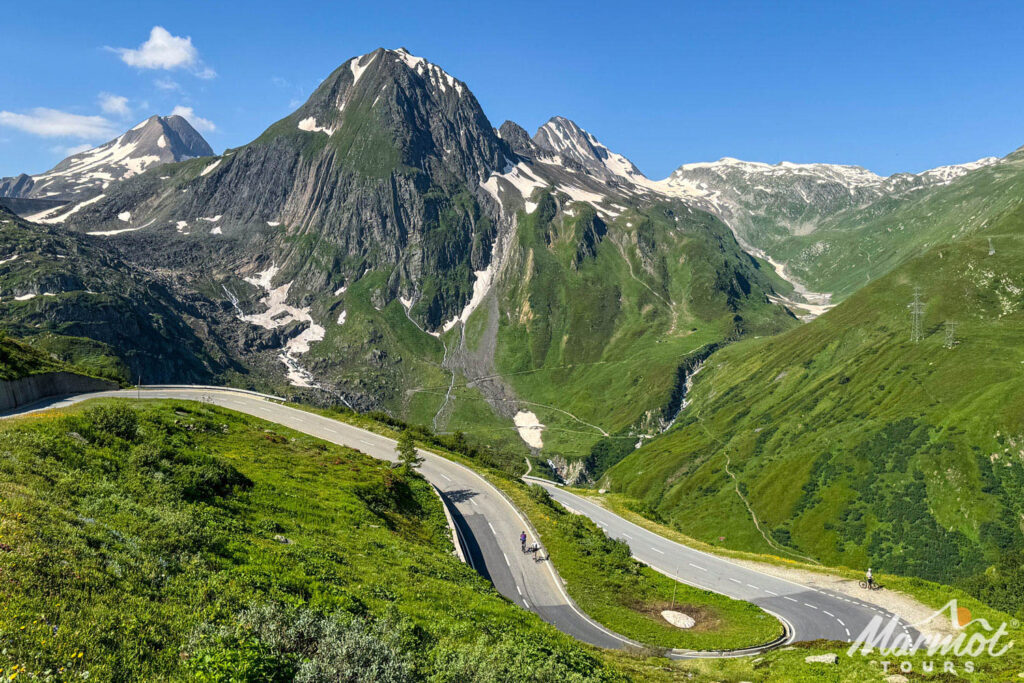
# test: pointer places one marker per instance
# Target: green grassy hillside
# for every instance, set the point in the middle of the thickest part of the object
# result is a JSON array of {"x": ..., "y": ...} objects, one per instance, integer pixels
[
  {"x": 184, "y": 542},
  {"x": 855, "y": 446},
  {"x": 596, "y": 317},
  {"x": 18, "y": 360},
  {"x": 853, "y": 247}
]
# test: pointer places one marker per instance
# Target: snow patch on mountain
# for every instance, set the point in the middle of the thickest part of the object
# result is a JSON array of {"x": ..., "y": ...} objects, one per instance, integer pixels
[
  {"x": 308, "y": 124},
  {"x": 529, "y": 428},
  {"x": 432, "y": 72},
  {"x": 63, "y": 212},
  {"x": 520, "y": 177},
  {"x": 279, "y": 313},
  {"x": 110, "y": 233},
  {"x": 210, "y": 167},
  {"x": 358, "y": 67}
]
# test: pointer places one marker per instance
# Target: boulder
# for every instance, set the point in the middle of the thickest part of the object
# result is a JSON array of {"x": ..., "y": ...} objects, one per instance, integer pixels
[{"x": 678, "y": 619}]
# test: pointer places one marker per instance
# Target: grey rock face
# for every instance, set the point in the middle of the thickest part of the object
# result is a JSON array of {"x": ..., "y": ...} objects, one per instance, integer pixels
[
  {"x": 380, "y": 168},
  {"x": 18, "y": 186},
  {"x": 517, "y": 138}
]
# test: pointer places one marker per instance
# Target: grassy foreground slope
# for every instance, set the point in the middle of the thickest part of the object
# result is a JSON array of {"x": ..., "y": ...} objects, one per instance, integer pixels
[
  {"x": 857, "y": 447},
  {"x": 186, "y": 542}
]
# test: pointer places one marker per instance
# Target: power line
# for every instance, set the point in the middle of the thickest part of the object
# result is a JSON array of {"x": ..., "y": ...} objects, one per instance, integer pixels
[
  {"x": 950, "y": 334},
  {"x": 916, "y": 311}
]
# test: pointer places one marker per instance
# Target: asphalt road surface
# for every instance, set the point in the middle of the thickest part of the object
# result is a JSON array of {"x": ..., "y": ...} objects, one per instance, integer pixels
[
  {"x": 489, "y": 527},
  {"x": 811, "y": 614}
]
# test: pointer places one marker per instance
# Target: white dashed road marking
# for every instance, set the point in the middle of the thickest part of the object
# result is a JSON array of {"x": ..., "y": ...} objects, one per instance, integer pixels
[
  {"x": 446, "y": 478},
  {"x": 807, "y": 604},
  {"x": 697, "y": 566},
  {"x": 658, "y": 551}
]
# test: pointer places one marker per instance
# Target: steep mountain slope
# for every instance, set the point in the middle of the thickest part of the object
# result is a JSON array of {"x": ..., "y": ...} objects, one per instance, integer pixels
[
  {"x": 808, "y": 216},
  {"x": 897, "y": 227},
  {"x": 851, "y": 443},
  {"x": 71, "y": 296},
  {"x": 157, "y": 140}
]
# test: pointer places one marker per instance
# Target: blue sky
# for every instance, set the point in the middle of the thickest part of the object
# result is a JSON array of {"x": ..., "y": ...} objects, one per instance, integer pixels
[{"x": 891, "y": 86}]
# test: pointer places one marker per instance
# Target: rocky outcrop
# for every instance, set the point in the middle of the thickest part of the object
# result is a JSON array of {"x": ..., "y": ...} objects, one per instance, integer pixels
[{"x": 28, "y": 390}]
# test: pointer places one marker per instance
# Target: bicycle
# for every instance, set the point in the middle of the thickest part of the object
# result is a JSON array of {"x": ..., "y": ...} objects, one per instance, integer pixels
[{"x": 873, "y": 586}]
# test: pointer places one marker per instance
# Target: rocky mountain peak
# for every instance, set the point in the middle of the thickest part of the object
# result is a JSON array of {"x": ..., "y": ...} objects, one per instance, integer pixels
[
  {"x": 516, "y": 137},
  {"x": 394, "y": 98},
  {"x": 567, "y": 143},
  {"x": 155, "y": 141}
]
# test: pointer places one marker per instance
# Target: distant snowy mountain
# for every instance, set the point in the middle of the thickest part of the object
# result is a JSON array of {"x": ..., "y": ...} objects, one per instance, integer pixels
[{"x": 155, "y": 141}]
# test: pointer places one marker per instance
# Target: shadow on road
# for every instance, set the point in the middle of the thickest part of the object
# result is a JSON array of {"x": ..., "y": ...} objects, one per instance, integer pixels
[
  {"x": 459, "y": 495},
  {"x": 471, "y": 547}
]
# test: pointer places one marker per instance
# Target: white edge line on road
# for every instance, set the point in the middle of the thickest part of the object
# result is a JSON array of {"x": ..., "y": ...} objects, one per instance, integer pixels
[{"x": 681, "y": 545}]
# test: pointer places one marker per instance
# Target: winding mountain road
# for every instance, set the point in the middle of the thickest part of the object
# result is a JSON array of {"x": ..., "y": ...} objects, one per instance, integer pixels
[{"x": 489, "y": 526}]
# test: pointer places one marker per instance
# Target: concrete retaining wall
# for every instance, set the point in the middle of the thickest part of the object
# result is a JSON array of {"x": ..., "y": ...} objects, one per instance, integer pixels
[{"x": 20, "y": 392}]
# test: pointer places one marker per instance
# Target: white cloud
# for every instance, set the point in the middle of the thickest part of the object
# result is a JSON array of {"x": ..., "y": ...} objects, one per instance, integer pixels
[
  {"x": 53, "y": 123},
  {"x": 114, "y": 104},
  {"x": 70, "y": 151},
  {"x": 165, "y": 51},
  {"x": 166, "y": 84},
  {"x": 198, "y": 122}
]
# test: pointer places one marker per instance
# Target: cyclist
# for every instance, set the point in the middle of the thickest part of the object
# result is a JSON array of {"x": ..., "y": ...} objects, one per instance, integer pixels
[
  {"x": 522, "y": 541},
  {"x": 871, "y": 579}
]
